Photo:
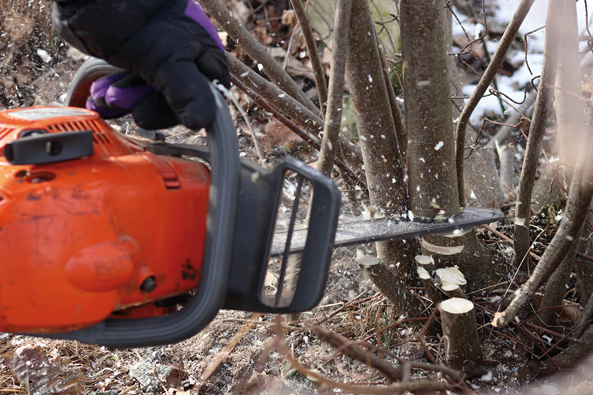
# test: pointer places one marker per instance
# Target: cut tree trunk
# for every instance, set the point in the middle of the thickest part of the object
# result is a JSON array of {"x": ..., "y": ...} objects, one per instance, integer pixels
[{"x": 458, "y": 318}]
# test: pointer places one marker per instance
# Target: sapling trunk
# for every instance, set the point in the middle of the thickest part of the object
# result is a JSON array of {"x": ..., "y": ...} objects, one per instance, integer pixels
[
  {"x": 536, "y": 132},
  {"x": 382, "y": 160}
]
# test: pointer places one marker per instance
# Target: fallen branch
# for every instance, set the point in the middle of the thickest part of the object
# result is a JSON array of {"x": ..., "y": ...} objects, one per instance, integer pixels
[
  {"x": 411, "y": 386},
  {"x": 353, "y": 351},
  {"x": 218, "y": 358}
]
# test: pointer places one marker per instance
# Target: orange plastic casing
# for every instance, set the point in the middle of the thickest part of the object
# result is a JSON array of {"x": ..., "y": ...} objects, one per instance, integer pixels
[{"x": 79, "y": 238}]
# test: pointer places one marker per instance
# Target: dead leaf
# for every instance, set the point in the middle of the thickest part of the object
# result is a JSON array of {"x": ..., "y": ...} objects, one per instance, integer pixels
[{"x": 289, "y": 18}]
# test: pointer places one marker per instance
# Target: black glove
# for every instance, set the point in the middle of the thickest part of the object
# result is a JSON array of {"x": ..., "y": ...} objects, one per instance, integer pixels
[{"x": 170, "y": 44}]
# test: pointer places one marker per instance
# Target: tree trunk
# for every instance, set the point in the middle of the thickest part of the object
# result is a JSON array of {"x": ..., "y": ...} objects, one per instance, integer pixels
[
  {"x": 382, "y": 161},
  {"x": 431, "y": 139}
]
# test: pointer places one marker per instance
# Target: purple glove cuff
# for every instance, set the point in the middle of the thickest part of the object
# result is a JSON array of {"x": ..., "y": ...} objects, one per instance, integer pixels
[{"x": 195, "y": 12}]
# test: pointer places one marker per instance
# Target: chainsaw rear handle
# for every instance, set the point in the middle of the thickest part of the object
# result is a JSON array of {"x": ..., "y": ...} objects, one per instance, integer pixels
[{"x": 211, "y": 291}]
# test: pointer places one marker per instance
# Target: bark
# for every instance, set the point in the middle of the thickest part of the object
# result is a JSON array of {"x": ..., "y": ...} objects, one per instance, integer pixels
[
  {"x": 583, "y": 267},
  {"x": 458, "y": 318},
  {"x": 404, "y": 302},
  {"x": 428, "y": 122},
  {"x": 431, "y": 140},
  {"x": 487, "y": 78},
  {"x": 536, "y": 133},
  {"x": 382, "y": 163}
]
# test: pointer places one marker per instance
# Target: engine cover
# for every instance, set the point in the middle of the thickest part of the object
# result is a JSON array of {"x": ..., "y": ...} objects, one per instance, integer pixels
[{"x": 92, "y": 225}]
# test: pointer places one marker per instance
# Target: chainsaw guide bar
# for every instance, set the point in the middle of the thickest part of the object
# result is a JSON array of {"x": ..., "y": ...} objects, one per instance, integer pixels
[{"x": 381, "y": 229}]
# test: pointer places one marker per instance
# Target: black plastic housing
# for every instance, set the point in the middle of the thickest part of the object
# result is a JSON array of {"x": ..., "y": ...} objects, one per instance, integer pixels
[{"x": 49, "y": 148}]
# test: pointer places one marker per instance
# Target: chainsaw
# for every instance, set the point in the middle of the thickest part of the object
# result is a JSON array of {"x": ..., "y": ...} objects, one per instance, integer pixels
[{"x": 122, "y": 242}]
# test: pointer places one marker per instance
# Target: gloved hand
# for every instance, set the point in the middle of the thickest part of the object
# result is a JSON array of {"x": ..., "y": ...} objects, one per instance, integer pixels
[
  {"x": 122, "y": 93},
  {"x": 168, "y": 44}
]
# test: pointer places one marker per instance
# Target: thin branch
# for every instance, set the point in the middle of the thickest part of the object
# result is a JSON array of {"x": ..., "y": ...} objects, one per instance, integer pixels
[
  {"x": 318, "y": 72},
  {"x": 489, "y": 75},
  {"x": 333, "y": 118},
  {"x": 251, "y": 131}
]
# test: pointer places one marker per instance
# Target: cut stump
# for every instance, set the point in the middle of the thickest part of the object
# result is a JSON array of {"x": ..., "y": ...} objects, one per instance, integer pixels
[{"x": 458, "y": 318}]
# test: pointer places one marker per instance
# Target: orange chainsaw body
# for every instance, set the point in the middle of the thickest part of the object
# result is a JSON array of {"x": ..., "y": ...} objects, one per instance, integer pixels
[{"x": 103, "y": 235}]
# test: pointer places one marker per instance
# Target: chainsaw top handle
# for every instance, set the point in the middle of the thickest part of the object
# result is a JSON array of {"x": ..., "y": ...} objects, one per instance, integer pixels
[{"x": 212, "y": 288}]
